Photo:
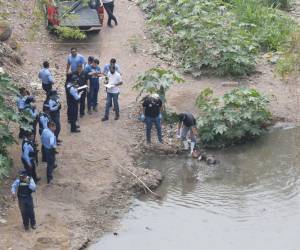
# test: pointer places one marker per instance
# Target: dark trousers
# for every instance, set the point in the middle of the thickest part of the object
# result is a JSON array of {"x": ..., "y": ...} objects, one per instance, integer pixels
[
  {"x": 34, "y": 125},
  {"x": 27, "y": 211},
  {"x": 43, "y": 154},
  {"x": 31, "y": 170},
  {"x": 42, "y": 148},
  {"x": 47, "y": 87},
  {"x": 149, "y": 121},
  {"x": 93, "y": 95},
  {"x": 55, "y": 116},
  {"x": 73, "y": 115},
  {"x": 82, "y": 103},
  {"x": 109, "y": 7},
  {"x": 50, "y": 158},
  {"x": 112, "y": 98}
]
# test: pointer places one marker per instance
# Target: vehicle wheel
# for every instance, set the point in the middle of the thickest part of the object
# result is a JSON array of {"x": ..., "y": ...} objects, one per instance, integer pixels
[{"x": 5, "y": 31}]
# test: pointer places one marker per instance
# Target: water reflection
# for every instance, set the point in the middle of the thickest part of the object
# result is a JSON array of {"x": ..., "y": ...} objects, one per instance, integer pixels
[{"x": 249, "y": 201}]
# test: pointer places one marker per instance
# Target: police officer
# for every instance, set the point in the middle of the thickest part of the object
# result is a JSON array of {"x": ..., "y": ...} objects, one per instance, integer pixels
[
  {"x": 44, "y": 118},
  {"x": 23, "y": 187},
  {"x": 23, "y": 100},
  {"x": 73, "y": 97},
  {"x": 31, "y": 110},
  {"x": 29, "y": 156},
  {"x": 69, "y": 80},
  {"x": 49, "y": 143},
  {"x": 54, "y": 109},
  {"x": 82, "y": 79}
]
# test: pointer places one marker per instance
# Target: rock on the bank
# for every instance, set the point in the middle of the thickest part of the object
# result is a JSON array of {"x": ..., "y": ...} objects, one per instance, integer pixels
[{"x": 151, "y": 177}]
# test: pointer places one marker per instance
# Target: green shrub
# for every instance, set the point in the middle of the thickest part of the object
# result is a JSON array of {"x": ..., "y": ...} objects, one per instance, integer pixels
[
  {"x": 70, "y": 33},
  {"x": 240, "y": 115},
  {"x": 8, "y": 114},
  {"x": 157, "y": 81},
  {"x": 220, "y": 37}
]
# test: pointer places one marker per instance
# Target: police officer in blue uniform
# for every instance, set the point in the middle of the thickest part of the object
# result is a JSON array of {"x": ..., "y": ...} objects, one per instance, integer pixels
[
  {"x": 31, "y": 110},
  {"x": 44, "y": 118},
  {"x": 73, "y": 98},
  {"x": 22, "y": 188},
  {"x": 49, "y": 142},
  {"x": 29, "y": 156},
  {"x": 54, "y": 111},
  {"x": 23, "y": 101}
]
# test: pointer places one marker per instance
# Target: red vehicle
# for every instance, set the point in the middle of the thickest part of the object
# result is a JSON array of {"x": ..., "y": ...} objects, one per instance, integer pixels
[{"x": 75, "y": 14}]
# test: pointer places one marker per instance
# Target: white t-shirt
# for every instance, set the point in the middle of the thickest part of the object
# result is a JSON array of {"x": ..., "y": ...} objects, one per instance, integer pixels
[{"x": 114, "y": 79}]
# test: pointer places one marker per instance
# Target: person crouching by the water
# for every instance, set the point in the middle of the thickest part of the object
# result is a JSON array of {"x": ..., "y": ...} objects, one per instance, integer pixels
[
  {"x": 152, "y": 106},
  {"x": 49, "y": 142},
  {"x": 29, "y": 155},
  {"x": 73, "y": 98},
  {"x": 187, "y": 126},
  {"x": 22, "y": 188}
]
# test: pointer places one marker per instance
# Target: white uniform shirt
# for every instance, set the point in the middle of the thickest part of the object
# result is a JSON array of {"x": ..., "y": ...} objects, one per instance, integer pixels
[{"x": 114, "y": 79}]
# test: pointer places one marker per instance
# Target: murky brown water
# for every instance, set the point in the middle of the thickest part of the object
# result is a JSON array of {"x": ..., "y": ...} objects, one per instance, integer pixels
[{"x": 250, "y": 201}]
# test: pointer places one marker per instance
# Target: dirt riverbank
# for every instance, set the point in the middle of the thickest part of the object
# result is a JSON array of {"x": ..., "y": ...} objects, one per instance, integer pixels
[{"x": 90, "y": 191}]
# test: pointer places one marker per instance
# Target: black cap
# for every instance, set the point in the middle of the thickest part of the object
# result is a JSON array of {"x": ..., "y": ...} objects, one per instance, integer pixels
[
  {"x": 29, "y": 100},
  {"x": 75, "y": 79},
  {"x": 53, "y": 92},
  {"x": 23, "y": 172}
]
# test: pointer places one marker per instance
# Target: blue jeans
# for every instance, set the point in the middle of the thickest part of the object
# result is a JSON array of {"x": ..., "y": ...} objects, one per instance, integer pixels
[
  {"x": 112, "y": 97},
  {"x": 50, "y": 158},
  {"x": 157, "y": 121},
  {"x": 93, "y": 95}
]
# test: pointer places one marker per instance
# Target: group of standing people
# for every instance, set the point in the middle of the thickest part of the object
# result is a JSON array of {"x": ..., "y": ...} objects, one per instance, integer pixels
[{"x": 82, "y": 89}]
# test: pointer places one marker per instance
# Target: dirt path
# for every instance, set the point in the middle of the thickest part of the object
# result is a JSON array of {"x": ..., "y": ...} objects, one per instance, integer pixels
[{"x": 90, "y": 191}]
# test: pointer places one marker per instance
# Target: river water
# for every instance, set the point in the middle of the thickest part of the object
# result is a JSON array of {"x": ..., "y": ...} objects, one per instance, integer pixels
[{"x": 249, "y": 201}]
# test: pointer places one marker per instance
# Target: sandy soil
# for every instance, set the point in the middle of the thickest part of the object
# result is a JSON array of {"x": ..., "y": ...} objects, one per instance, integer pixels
[{"x": 90, "y": 191}]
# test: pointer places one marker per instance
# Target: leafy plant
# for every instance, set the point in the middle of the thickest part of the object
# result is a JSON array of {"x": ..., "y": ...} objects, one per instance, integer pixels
[
  {"x": 220, "y": 37},
  {"x": 158, "y": 81},
  {"x": 70, "y": 33},
  {"x": 240, "y": 115},
  {"x": 7, "y": 115}
]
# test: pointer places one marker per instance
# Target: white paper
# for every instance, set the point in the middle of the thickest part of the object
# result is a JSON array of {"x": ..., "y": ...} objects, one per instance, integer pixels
[
  {"x": 108, "y": 85},
  {"x": 82, "y": 87}
]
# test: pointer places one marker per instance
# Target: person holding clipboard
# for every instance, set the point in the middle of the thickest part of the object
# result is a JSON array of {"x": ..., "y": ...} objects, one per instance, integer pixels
[{"x": 114, "y": 81}]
